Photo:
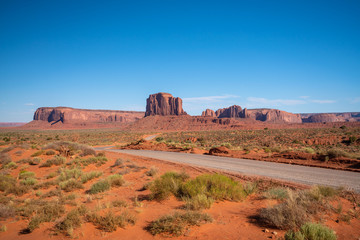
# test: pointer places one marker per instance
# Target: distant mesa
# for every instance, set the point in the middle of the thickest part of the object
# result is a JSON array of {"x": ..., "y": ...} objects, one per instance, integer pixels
[
  {"x": 73, "y": 115},
  {"x": 163, "y": 111},
  {"x": 208, "y": 113},
  {"x": 164, "y": 104}
]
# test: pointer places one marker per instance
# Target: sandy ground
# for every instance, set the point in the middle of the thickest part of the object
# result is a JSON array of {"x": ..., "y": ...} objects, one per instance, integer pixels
[{"x": 232, "y": 220}]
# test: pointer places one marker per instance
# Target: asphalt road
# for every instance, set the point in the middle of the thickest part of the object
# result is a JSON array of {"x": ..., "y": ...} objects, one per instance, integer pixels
[{"x": 287, "y": 172}]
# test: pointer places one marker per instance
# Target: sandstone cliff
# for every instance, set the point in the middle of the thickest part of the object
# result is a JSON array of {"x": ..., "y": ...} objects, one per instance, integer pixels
[
  {"x": 208, "y": 113},
  {"x": 230, "y": 112},
  {"x": 331, "y": 117},
  {"x": 163, "y": 104},
  {"x": 73, "y": 115}
]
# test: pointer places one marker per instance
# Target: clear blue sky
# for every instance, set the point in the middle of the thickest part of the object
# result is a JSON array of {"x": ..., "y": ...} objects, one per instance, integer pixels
[{"x": 298, "y": 56}]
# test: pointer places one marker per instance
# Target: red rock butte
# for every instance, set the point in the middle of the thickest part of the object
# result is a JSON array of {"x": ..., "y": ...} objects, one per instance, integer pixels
[{"x": 163, "y": 104}]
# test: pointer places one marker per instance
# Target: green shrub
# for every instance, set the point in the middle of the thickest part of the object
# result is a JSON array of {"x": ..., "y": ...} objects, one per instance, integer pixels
[
  {"x": 70, "y": 185},
  {"x": 25, "y": 174},
  {"x": 119, "y": 203},
  {"x": 311, "y": 231},
  {"x": 29, "y": 181},
  {"x": 10, "y": 165},
  {"x": 66, "y": 174},
  {"x": 34, "y": 161},
  {"x": 216, "y": 186},
  {"x": 177, "y": 223},
  {"x": 69, "y": 148},
  {"x": 90, "y": 175},
  {"x": 159, "y": 139},
  {"x": 309, "y": 150},
  {"x": 169, "y": 183},
  {"x": 276, "y": 193},
  {"x": 4, "y": 158},
  {"x": 200, "y": 201},
  {"x": 336, "y": 153},
  {"x": 116, "y": 180},
  {"x": 100, "y": 186}
]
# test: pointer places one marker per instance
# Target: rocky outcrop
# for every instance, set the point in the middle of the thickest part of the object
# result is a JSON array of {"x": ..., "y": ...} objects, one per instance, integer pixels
[
  {"x": 208, "y": 113},
  {"x": 264, "y": 115},
  {"x": 163, "y": 104},
  {"x": 234, "y": 111},
  {"x": 73, "y": 115},
  {"x": 330, "y": 117},
  {"x": 273, "y": 116}
]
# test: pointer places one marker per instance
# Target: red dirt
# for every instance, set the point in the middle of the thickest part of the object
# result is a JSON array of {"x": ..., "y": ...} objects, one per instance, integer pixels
[{"x": 232, "y": 220}]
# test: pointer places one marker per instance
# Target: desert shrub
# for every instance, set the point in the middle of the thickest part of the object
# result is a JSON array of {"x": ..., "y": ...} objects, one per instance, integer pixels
[
  {"x": 111, "y": 222},
  {"x": 100, "y": 186},
  {"x": 87, "y": 152},
  {"x": 169, "y": 183},
  {"x": 159, "y": 139},
  {"x": 70, "y": 185},
  {"x": 295, "y": 211},
  {"x": 69, "y": 148},
  {"x": 4, "y": 158},
  {"x": 309, "y": 150},
  {"x": 26, "y": 174},
  {"x": 44, "y": 212},
  {"x": 311, "y": 231},
  {"x": 177, "y": 223},
  {"x": 52, "y": 175},
  {"x": 118, "y": 162},
  {"x": 56, "y": 160},
  {"x": 198, "y": 202},
  {"x": 71, "y": 221},
  {"x": 6, "y": 211},
  {"x": 38, "y": 153},
  {"x": 6, "y": 182},
  {"x": 28, "y": 181},
  {"x": 335, "y": 153},
  {"x": 66, "y": 174},
  {"x": 318, "y": 192},
  {"x": 98, "y": 160},
  {"x": 152, "y": 172},
  {"x": 276, "y": 193},
  {"x": 119, "y": 203},
  {"x": 50, "y": 152},
  {"x": 116, "y": 180},
  {"x": 250, "y": 188},
  {"x": 34, "y": 161},
  {"x": 10, "y": 165},
  {"x": 3, "y": 228},
  {"x": 216, "y": 186},
  {"x": 90, "y": 175}
]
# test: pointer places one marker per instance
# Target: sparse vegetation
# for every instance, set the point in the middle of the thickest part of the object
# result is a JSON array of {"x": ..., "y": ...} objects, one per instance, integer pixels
[
  {"x": 56, "y": 160},
  {"x": 276, "y": 193},
  {"x": 100, "y": 186},
  {"x": 90, "y": 175},
  {"x": 311, "y": 231},
  {"x": 167, "y": 184},
  {"x": 70, "y": 185},
  {"x": 177, "y": 223},
  {"x": 110, "y": 222}
]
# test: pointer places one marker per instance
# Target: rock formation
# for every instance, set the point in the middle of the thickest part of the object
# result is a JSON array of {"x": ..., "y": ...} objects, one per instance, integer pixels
[
  {"x": 265, "y": 115},
  {"x": 208, "y": 113},
  {"x": 230, "y": 112},
  {"x": 330, "y": 117},
  {"x": 73, "y": 115},
  {"x": 163, "y": 104}
]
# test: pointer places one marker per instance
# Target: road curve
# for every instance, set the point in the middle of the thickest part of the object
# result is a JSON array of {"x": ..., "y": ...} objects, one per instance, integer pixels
[{"x": 293, "y": 173}]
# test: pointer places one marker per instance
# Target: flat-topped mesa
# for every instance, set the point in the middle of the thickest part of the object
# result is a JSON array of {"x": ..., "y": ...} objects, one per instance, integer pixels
[
  {"x": 234, "y": 111},
  {"x": 264, "y": 115},
  {"x": 73, "y": 115},
  {"x": 208, "y": 113},
  {"x": 163, "y": 104}
]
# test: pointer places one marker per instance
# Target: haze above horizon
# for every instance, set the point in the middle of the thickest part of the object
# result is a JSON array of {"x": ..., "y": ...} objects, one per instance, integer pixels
[{"x": 296, "y": 56}]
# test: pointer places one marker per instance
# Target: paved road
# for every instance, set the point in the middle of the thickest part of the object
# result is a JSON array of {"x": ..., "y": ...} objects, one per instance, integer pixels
[{"x": 287, "y": 172}]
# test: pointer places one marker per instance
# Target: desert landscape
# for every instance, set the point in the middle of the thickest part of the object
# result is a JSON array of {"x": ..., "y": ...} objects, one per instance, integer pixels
[
  {"x": 60, "y": 180},
  {"x": 184, "y": 120}
]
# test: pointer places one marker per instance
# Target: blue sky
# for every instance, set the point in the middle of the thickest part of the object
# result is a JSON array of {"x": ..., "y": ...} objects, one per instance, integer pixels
[{"x": 297, "y": 56}]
